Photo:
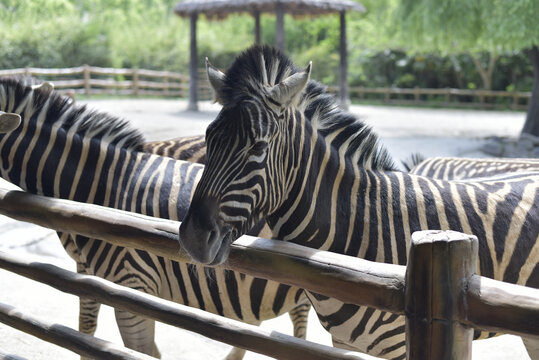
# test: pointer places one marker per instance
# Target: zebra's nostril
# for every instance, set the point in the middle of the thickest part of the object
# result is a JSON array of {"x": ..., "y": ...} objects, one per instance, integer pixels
[{"x": 212, "y": 236}]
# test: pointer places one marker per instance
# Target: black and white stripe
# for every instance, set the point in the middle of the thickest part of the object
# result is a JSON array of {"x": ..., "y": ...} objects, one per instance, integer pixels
[
  {"x": 323, "y": 181},
  {"x": 67, "y": 151},
  {"x": 454, "y": 168}
]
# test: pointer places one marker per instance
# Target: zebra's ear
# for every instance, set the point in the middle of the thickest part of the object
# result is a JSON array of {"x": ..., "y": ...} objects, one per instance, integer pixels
[
  {"x": 45, "y": 86},
  {"x": 289, "y": 89},
  {"x": 9, "y": 122},
  {"x": 217, "y": 81}
]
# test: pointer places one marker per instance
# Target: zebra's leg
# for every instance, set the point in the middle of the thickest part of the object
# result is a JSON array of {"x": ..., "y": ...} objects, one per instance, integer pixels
[
  {"x": 138, "y": 333},
  {"x": 88, "y": 311},
  {"x": 236, "y": 354},
  {"x": 532, "y": 347},
  {"x": 299, "y": 316}
]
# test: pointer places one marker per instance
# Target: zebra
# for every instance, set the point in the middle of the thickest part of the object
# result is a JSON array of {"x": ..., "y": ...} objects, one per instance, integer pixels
[
  {"x": 283, "y": 150},
  {"x": 193, "y": 148},
  {"x": 455, "y": 168},
  {"x": 65, "y": 150},
  {"x": 188, "y": 148}
]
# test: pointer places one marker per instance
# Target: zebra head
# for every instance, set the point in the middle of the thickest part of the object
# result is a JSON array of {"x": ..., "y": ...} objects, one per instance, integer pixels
[{"x": 245, "y": 174}]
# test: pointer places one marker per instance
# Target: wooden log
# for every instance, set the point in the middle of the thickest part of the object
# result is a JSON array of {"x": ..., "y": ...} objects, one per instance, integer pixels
[
  {"x": 87, "y": 85},
  {"x": 258, "y": 38},
  {"x": 345, "y": 278},
  {"x": 440, "y": 265},
  {"x": 216, "y": 327},
  {"x": 82, "y": 344},
  {"x": 503, "y": 307},
  {"x": 193, "y": 62},
  {"x": 279, "y": 27},
  {"x": 135, "y": 82},
  {"x": 343, "y": 64}
]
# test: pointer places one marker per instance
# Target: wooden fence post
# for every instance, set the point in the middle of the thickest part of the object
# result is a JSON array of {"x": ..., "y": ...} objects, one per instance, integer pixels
[
  {"x": 86, "y": 72},
  {"x": 135, "y": 81},
  {"x": 165, "y": 85},
  {"x": 440, "y": 265}
]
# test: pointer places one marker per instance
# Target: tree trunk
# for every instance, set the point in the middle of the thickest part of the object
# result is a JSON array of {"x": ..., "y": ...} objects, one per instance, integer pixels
[
  {"x": 485, "y": 73},
  {"x": 531, "y": 126}
]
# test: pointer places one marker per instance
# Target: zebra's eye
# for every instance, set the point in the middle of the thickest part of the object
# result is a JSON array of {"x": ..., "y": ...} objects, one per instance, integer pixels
[{"x": 258, "y": 148}]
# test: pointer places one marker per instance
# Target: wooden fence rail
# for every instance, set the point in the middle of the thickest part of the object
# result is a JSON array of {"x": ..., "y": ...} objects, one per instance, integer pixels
[
  {"x": 446, "y": 97},
  {"x": 216, "y": 327},
  {"x": 92, "y": 80},
  {"x": 444, "y": 307},
  {"x": 82, "y": 344}
]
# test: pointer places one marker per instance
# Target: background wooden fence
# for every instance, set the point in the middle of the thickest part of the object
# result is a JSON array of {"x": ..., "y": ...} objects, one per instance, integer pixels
[
  {"x": 439, "y": 293},
  {"x": 91, "y": 80}
]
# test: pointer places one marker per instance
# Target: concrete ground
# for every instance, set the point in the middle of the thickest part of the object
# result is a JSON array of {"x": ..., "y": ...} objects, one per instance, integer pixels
[{"x": 403, "y": 130}]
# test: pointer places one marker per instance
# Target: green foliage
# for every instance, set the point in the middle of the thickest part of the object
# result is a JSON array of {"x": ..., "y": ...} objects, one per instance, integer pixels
[
  {"x": 395, "y": 43},
  {"x": 455, "y": 26}
]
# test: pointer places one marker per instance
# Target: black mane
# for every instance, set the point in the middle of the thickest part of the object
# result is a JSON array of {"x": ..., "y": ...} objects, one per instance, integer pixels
[
  {"x": 246, "y": 76},
  {"x": 16, "y": 95}
]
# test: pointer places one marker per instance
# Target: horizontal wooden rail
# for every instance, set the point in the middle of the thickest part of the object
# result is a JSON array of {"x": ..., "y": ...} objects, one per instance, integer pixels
[
  {"x": 504, "y": 307},
  {"x": 216, "y": 327},
  {"x": 66, "y": 337},
  {"x": 94, "y": 80},
  {"x": 348, "y": 279},
  {"x": 391, "y": 95}
]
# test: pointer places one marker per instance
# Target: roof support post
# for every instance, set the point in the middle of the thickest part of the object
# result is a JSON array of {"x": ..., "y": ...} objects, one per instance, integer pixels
[
  {"x": 343, "y": 73},
  {"x": 256, "y": 15},
  {"x": 193, "y": 72},
  {"x": 279, "y": 27}
]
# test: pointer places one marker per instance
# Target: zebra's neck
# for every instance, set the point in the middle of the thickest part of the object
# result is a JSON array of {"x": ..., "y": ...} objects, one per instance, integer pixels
[
  {"x": 336, "y": 205},
  {"x": 50, "y": 161}
]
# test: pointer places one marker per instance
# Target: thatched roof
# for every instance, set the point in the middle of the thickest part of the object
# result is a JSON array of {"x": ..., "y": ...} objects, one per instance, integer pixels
[{"x": 222, "y": 8}]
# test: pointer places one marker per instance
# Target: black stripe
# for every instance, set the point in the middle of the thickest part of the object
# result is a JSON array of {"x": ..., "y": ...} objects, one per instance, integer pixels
[
  {"x": 431, "y": 212},
  {"x": 529, "y": 232},
  {"x": 485, "y": 262},
  {"x": 280, "y": 297},
  {"x": 256, "y": 292},
  {"x": 88, "y": 172},
  {"x": 69, "y": 170},
  {"x": 178, "y": 276},
  {"x": 233, "y": 294},
  {"x": 360, "y": 328},
  {"x": 213, "y": 288},
  {"x": 353, "y": 248},
  {"x": 372, "y": 249},
  {"x": 345, "y": 312},
  {"x": 193, "y": 276},
  {"x": 398, "y": 224},
  {"x": 386, "y": 335}
]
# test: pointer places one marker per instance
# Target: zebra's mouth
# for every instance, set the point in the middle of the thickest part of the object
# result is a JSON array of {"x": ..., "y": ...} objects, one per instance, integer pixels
[{"x": 224, "y": 249}]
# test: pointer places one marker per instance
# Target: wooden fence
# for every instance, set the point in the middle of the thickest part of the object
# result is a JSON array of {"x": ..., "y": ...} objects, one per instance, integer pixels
[
  {"x": 441, "y": 297},
  {"x": 447, "y": 97},
  {"x": 91, "y": 80}
]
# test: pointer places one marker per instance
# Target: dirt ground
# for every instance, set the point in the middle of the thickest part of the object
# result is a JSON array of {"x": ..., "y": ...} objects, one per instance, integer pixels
[{"x": 403, "y": 130}]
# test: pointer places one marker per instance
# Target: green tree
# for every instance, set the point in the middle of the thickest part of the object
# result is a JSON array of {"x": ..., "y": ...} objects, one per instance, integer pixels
[{"x": 478, "y": 27}]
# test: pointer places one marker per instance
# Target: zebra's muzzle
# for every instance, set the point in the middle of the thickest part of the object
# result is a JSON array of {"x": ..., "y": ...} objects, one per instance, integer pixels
[{"x": 203, "y": 235}]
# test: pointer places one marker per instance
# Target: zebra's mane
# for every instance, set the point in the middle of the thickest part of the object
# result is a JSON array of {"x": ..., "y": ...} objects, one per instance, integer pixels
[
  {"x": 248, "y": 75},
  {"x": 16, "y": 95}
]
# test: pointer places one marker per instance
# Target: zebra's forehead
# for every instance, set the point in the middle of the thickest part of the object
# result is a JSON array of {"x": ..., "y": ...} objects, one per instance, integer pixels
[{"x": 245, "y": 119}]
